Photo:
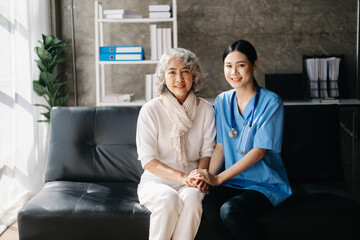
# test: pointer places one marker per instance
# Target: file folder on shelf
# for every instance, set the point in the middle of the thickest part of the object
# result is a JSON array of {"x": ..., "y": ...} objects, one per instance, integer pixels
[
  {"x": 325, "y": 76},
  {"x": 121, "y": 57},
  {"x": 121, "y": 49}
]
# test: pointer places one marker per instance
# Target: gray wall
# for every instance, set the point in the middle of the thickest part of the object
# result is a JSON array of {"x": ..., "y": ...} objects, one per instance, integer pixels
[{"x": 281, "y": 30}]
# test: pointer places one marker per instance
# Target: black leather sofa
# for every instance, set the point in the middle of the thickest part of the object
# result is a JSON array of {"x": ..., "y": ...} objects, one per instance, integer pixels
[{"x": 93, "y": 172}]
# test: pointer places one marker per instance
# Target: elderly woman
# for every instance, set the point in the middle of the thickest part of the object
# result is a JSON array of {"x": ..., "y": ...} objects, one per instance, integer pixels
[{"x": 175, "y": 135}]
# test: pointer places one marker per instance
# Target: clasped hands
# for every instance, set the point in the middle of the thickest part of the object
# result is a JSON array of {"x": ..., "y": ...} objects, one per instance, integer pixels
[{"x": 201, "y": 179}]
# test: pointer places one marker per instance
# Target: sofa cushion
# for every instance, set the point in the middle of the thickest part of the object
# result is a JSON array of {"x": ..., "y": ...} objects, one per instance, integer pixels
[
  {"x": 313, "y": 216},
  {"x": 75, "y": 210},
  {"x": 93, "y": 144},
  {"x": 311, "y": 143}
]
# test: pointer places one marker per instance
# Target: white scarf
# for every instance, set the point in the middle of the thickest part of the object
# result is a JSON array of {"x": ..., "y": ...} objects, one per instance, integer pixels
[{"x": 181, "y": 116}]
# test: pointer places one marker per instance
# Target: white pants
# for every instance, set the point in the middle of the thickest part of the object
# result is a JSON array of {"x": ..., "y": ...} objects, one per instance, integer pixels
[{"x": 175, "y": 210}]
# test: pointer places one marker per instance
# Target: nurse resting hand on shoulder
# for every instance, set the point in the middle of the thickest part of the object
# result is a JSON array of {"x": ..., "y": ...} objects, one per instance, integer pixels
[
  {"x": 175, "y": 135},
  {"x": 246, "y": 166}
]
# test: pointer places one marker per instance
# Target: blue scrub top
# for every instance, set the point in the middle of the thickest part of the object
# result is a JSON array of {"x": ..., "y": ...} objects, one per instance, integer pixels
[{"x": 268, "y": 175}]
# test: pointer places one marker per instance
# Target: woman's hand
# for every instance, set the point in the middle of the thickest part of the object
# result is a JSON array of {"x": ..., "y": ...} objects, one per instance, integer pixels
[
  {"x": 206, "y": 176},
  {"x": 202, "y": 185}
]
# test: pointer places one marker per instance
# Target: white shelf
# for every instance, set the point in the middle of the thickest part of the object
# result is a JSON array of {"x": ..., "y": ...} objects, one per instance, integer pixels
[
  {"x": 130, "y": 62},
  {"x": 135, "y": 20},
  {"x": 99, "y": 41}
]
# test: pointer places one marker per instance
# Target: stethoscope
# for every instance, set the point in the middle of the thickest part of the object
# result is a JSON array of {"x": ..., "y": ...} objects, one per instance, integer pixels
[{"x": 233, "y": 133}]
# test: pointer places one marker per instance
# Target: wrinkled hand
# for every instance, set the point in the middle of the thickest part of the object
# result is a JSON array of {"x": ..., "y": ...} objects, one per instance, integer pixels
[
  {"x": 203, "y": 186},
  {"x": 204, "y": 175}
]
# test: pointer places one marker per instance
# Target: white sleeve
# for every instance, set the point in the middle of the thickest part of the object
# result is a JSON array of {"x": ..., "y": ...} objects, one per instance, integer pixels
[
  {"x": 209, "y": 133},
  {"x": 146, "y": 135}
]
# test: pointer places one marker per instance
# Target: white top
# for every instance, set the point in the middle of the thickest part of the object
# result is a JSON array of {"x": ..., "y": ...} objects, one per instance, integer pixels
[{"x": 153, "y": 135}]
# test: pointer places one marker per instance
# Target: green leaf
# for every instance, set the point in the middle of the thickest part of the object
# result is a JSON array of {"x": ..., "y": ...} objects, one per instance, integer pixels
[
  {"x": 47, "y": 78},
  {"x": 39, "y": 89},
  {"x": 46, "y": 114},
  {"x": 49, "y": 41},
  {"x": 40, "y": 65},
  {"x": 52, "y": 65},
  {"x": 44, "y": 55},
  {"x": 42, "y": 105},
  {"x": 47, "y": 121},
  {"x": 54, "y": 89},
  {"x": 60, "y": 60},
  {"x": 60, "y": 100}
]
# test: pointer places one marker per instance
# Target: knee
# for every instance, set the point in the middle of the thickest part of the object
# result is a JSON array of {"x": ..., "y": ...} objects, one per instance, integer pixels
[
  {"x": 192, "y": 198},
  {"x": 231, "y": 214},
  {"x": 210, "y": 207},
  {"x": 170, "y": 201}
]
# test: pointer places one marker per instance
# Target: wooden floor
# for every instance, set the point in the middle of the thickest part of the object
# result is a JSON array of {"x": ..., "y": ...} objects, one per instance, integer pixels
[{"x": 11, "y": 233}]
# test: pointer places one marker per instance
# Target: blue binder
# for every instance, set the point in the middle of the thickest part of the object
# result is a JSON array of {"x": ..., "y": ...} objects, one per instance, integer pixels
[
  {"x": 121, "y": 49},
  {"x": 121, "y": 57}
]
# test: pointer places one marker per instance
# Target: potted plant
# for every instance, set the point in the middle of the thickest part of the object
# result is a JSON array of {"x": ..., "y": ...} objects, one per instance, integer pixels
[{"x": 49, "y": 84}]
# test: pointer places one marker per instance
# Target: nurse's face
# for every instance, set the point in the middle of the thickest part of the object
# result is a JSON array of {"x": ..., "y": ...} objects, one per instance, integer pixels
[
  {"x": 178, "y": 78},
  {"x": 238, "y": 70}
]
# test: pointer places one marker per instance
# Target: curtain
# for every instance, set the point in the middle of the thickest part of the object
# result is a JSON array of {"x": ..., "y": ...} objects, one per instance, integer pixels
[{"x": 23, "y": 141}]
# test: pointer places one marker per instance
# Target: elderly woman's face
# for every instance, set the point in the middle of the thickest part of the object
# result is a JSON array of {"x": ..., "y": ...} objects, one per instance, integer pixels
[{"x": 178, "y": 78}]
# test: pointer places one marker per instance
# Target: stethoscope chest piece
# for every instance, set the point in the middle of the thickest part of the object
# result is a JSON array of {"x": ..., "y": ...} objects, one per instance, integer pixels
[{"x": 232, "y": 133}]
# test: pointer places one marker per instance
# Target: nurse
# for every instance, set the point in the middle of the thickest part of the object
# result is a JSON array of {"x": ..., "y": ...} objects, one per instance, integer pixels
[{"x": 246, "y": 166}]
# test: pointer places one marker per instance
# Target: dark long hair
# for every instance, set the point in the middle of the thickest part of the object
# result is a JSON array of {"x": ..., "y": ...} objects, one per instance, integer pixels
[{"x": 244, "y": 47}]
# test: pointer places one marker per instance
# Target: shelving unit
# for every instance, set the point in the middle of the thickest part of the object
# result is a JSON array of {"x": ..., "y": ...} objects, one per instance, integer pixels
[{"x": 99, "y": 41}]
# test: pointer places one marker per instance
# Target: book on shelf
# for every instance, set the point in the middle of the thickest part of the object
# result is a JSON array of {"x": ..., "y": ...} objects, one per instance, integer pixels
[
  {"x": 153, "y": 42},
  {"x": 150, "y": 91},
  {"x": 121, "y": 56},
  {"x": 122, "y": 16},
  {"x": 121, "y": 49},
  {"x": 160, "y": 41},
  {"x": 160, "y": 15},
  {"x": 120, "y": 11},
  {"x": 159, "y": 8},
  {"x": 117, "y": 97}
]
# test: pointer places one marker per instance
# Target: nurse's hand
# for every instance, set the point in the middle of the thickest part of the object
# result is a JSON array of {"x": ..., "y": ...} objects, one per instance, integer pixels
[
  {"x": 202, "y": 185},
  {"x": 205, "y": 175}
]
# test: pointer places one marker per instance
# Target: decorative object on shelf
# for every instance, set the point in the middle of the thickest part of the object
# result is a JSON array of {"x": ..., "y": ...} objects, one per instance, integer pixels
[
  {"x": 49, "y": 84},
  {"x": 118, "y": 98}
]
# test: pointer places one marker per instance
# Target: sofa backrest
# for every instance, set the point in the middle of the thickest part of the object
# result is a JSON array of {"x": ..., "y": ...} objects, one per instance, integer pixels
[
  {"x": 98, "y": 144},
  {"x": 311, "y": 143},
  {"x": 93, "y": 144}
]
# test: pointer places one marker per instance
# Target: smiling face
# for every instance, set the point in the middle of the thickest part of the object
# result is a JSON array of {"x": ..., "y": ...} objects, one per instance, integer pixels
[
  {"x": 178, "y": 78},
  {"x": 238, "y": 70}
]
